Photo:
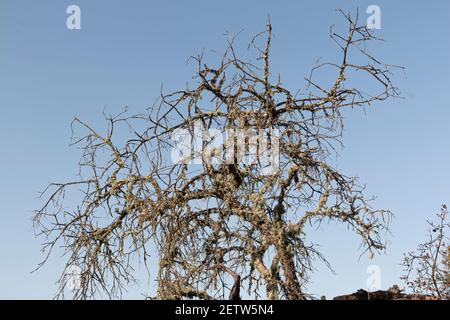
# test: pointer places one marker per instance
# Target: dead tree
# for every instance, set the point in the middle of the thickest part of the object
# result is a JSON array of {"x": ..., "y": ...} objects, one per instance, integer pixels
[
  {"x": 215, "y": 220},
  {"x": 427, "y": 269}
]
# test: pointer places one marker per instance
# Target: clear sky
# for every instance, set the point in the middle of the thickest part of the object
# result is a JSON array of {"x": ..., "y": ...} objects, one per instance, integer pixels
[{"x": 125, "y": 50}]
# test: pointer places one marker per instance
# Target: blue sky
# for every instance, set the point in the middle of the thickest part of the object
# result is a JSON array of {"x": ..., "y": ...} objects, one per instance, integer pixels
[{"x": 125, "y": 50}]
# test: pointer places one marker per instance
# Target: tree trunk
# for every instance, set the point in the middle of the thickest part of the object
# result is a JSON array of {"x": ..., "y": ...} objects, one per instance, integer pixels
[{"x": 292, "y": 286}]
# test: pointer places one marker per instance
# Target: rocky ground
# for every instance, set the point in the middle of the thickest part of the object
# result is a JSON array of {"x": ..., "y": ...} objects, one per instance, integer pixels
[{"x": 393, "y": 293}]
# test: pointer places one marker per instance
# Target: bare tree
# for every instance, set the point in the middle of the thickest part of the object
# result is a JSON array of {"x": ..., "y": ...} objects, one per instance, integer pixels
[
  {"x": 427, "y": 269},
  {"x": 220, "y": 226}
]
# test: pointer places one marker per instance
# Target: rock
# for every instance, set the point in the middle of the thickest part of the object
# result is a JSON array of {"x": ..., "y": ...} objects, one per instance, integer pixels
[{"x": 393, "y": 293}]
